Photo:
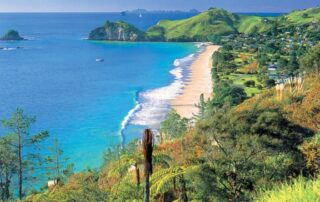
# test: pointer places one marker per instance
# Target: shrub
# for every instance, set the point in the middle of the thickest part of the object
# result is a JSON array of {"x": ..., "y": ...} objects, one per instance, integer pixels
[
  {"x": 269, "y": 83},
  {"x": 301, "y": 190},
  {"x": 250, "y": 83}
]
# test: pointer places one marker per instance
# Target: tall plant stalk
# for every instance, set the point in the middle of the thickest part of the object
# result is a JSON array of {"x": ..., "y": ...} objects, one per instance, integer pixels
[{"x": 147, "y": 152}]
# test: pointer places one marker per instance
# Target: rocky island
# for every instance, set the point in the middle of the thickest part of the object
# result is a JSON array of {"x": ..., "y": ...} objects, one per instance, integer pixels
[
  {"x": 117, "y": 31},
  {"x": 12, "y": 35}
]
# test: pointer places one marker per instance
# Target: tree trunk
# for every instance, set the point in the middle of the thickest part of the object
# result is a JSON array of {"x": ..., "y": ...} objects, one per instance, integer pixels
[
  {"x": 183, "y": 195},
  {"x": 146, "y": 189},
  {"x": 7, "y": 187},
  {"x": 137, "y": 175},
  {"x": 147, "y": 153},
  {"x": 20, "y": 167}
]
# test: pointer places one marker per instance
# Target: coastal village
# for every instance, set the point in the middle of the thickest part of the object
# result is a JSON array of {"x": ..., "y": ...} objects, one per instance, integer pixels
[{"x": 270, "y": 57}]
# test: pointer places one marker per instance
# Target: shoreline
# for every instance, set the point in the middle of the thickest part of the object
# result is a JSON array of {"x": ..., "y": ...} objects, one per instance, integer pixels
[{"x": 199, "y": 82}]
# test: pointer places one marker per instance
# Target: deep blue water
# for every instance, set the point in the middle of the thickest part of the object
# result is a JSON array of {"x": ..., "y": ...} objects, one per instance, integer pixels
[{"x": 84, "y": 103}]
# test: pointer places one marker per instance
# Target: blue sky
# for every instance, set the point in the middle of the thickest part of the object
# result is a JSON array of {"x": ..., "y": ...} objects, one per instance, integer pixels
[{"x": 119, "y": 5}]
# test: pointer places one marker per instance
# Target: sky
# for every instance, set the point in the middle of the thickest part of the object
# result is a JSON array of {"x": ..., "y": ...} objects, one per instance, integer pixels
[{"x": 121, "y": 5}]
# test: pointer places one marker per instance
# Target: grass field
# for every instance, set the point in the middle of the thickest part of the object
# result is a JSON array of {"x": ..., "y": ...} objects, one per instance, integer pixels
[{"x": 240, "y": 79}]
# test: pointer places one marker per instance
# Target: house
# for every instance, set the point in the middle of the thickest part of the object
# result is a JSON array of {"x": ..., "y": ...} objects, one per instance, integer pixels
[{"x": 272, "y": 67}]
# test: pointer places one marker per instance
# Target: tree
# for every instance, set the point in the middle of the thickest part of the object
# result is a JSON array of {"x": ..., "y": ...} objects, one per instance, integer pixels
[
  {"x": 202, "y": 107},
  {"x": 293, "y": 64},
  {"x": 57, "y": 165},
  {"x": 225, "y": 93},
  {"x": 173, "y": 126},
  {"x": 22, "y": 142},
  {"x": 216, "y": 39},
  {"x": 311, "y": 61},
  {"x": 250, "y": 83},
  {"x": 262, "y": 59},
  {"x": 8, "y": 167},
  {"x": 269, "y": 83}
]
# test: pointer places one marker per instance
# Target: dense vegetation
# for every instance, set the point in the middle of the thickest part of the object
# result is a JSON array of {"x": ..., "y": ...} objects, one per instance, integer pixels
[{"x": 11, "y": 35}]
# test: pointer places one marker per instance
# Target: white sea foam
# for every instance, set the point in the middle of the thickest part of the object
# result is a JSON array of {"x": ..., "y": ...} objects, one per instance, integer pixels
[
  {"x": 127, "y": 119},
  {"x": 29, "y": 38},
  {"x": 8, "y": 49},
  {"x": 155, "y": 103}
]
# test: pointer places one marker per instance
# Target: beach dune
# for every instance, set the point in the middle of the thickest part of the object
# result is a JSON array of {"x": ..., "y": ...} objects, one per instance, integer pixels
[{"x": 200, "y": 82}]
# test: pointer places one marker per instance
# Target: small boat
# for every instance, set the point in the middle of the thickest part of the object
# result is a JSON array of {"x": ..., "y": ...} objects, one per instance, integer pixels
[{"x": 99, "y": 60}]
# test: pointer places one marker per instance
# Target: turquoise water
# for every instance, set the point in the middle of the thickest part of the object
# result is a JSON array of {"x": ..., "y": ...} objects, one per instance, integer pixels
[{"x": 84, "y": 103}]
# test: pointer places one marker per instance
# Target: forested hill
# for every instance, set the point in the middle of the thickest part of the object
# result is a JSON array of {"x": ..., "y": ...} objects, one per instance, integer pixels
[{"x": 216, "y": 22}]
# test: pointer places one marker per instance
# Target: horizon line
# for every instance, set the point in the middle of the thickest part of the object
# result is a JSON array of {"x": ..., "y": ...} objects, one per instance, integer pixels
[{"x": 151, "y": 11}]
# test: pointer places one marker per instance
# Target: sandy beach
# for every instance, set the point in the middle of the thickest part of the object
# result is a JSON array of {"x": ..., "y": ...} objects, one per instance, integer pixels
[{"x": 200, "y": 82}]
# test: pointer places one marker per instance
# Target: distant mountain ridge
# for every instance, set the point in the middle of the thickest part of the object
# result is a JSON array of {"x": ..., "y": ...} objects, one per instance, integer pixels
[
  {"x": 213, "y": 22},
  {"x": 143, "y": 11}
]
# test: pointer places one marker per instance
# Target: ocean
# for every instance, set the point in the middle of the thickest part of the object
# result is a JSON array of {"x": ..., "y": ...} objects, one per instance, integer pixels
[{"x": 88, "y": 106}]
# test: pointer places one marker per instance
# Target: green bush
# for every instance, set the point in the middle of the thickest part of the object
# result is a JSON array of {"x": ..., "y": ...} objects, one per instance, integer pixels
[
  {"x": 259, "y": 87},
  {"x": 249, "y": 83},
  {"x": 301, "y": 190},
  {"x": 269, "y": 83}
]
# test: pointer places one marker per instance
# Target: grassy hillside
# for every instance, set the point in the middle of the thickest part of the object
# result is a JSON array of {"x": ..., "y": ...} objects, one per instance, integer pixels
[
  {"x": 198, "y": 28},
  {"x": 304, "y": 16},
  {"x": 251, "y": 24}
]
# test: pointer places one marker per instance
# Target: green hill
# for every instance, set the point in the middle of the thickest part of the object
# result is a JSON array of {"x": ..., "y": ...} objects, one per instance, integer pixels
[
  {"x": 205, "y": 26},
  {"x": 198, "y": 28},
  {"x": 208, "y": 24},
  {"x": 252, "y": 24},
  {"x": 311, "y": 15}
]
